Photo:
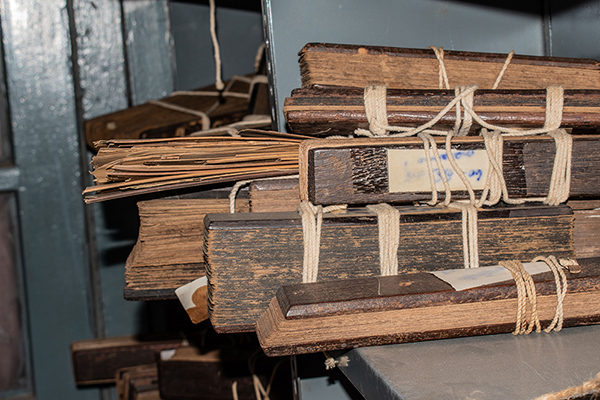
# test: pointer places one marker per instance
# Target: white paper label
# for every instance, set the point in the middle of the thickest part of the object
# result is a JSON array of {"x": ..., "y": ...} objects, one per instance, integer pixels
[
  {"x": 407, "y": 170},
  {"x": 185, "y": 292},
  {"x": 467, "y": 278}
]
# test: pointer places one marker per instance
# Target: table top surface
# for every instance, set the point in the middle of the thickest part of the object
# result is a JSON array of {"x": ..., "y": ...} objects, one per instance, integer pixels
[{"x": 502, "y": 366}]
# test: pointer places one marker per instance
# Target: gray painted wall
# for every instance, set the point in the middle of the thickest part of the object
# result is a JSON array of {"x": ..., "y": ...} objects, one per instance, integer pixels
[
  {"x": 401, "y": 23},
  {"x": 240, "y": 35}
]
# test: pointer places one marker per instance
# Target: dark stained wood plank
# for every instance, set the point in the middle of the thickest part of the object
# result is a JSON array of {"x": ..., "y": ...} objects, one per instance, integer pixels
[
  {"x": 328, "y": 110},
  {"x": 350, "y": 313},
  {"x": 96, "y": 361},
  {"x": 356, "y": 171},
  {"x": 249, "y": 256}
]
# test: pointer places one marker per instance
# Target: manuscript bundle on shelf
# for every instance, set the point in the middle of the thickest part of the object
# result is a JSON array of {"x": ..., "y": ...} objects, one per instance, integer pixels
[
  {"x": 347, "y": 313},
  {"x": 249, "y": 256},
  {"x": 358, "y": 66},
  {"x": 329, "y": 110},
  {"x": 363, "y": 171}
]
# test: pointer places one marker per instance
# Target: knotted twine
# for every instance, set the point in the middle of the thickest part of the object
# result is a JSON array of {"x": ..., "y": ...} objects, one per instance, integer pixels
[
  {"x": 494, "y": 186},
  {"x": 312, "y": 220}
]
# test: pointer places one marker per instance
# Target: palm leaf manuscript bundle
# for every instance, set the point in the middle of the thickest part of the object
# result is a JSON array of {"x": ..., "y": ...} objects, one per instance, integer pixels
[
  {"x": 349, "y": 313},
  {"x": 150, "y": 120},
  {"x": 168, "y": 252},
  {"x": 331, "y": 110},
  {"x": 364, "y": 171},
  {"x": 359, "y": 66},
  {"x": 249, "y": 256},
  {"x": 130, "y": 167}
]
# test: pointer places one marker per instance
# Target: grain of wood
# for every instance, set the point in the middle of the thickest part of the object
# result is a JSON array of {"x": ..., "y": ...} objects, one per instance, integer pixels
[
  {"x": 249, "y": 256},
  {"x": 355, "y": 65},
  {"x": 330, "y": 316}
]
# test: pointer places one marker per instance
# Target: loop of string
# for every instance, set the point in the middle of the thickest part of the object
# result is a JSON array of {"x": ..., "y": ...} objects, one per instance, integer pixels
[
  {"x": 312, "y": 219},
  {"x": 560, "y": 279},
  {"x": 233, "y": 129},
  {"x": 443, "y": 76},
  {"x": 388, "y": 222},
  {"x": 494, "y": 186},
  {"x": 526, "y": 295},
  {"x": 204, "y": 115}
]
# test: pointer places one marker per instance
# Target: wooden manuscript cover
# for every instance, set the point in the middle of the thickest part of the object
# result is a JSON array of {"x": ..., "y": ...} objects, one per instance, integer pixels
[
  {"x": 356, "y": 65},
  {"x": 249, "y": 256},
  {"x": 350, "y": 313},
  {"x": 362, "y": 171}
]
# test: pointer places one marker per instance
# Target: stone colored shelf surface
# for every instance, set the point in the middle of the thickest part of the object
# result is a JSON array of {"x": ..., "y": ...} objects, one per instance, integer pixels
[{"x": 495, "y": 367}]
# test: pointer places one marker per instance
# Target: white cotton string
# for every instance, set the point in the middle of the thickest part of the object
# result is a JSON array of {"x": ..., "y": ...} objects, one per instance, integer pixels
[
  {"x": 469, "y": 233},
  {"x": 388, "y": 222},
  {"x": 233, "y": 129},
  {"x": 494, "y": 184},
  {"x": 525, "y": 295},
  {"x": 431, "y": 147},
  {"x": 203, "y": 115},
  {"x": 217, "y": 52},
  {"x": 560, "y": 181},
  {"x": 375, "y": 109},
  {"x": 503, "y": 70},
  {"x": 463, "y": 125},
  {"x": 235, "y": 189},
  {"x": 312, "y": 219},
  {"x": 443, "y": 76},
  {"x": 560, "y": 279}
]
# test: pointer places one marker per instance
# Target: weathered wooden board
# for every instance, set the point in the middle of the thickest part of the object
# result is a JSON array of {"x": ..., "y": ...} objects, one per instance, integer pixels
[
  {"x": 96, "y": 361},
  {"x": 351, "y": 313},
  {"x": 356, "y": 65},
  {"x": 249, "y": 256},
  {"x": 152, "y": 121},
  {"x": 329, "y": 110},
  {"x": 357, "y": 171}
]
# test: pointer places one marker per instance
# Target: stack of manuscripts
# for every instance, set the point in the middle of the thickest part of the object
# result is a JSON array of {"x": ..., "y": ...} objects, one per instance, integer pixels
[
  {"x": 254, "y": 261},
  {"x": 198, "y": 366}
]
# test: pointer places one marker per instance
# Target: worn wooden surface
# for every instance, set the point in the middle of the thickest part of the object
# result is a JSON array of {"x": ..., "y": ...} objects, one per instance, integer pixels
[
  {"x": 356, "y": 65},
  {"x": 351, "y": 313},
  {"x": 274, "y": 195},
  {"x": 249, "y": 256},
  {"x": 168, "y": 252},
  {"x": 329, "y": 110},
  {"x": 129, "y": 167},
  {"x": 356, "y": 171},
  {"x": 586, "y": 230},
  {"x": 96, "y": 361},
  {"x": 146, "y": 120}
]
